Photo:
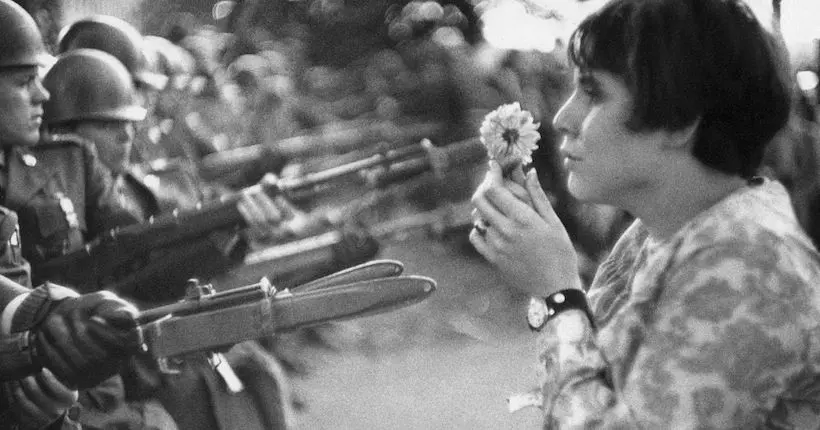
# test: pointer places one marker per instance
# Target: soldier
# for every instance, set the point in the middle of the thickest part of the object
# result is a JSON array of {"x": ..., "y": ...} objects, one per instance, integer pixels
[
  {"x": 122, "y": 40},
  {"x": 200, "y": 125},
  {"x": 58, "y": 188},
  {"x": 79, "y": 339},
  {"x": 92, "y": 97},
  {"x": 64, "y": 196}
]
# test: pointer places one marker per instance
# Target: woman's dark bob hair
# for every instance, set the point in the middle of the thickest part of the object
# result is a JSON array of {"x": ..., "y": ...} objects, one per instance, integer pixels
[{"x": 689, "y": 60}]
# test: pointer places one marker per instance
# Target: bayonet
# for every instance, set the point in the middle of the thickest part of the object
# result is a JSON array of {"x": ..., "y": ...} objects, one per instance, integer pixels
[{"x": 215, "y": 320}]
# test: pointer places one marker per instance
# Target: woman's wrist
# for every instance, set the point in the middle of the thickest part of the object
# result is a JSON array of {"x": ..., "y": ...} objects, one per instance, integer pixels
[
  {"x": 542, "y": 309},
  {"x": 568, "y": 283}
]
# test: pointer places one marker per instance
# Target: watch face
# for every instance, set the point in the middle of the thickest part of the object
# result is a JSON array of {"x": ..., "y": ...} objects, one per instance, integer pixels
[{"x": 537, "y": 313}]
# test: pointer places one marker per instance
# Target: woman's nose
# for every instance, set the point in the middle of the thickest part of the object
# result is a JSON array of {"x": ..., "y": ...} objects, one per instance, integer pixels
[{"x": 565, "y": 121}]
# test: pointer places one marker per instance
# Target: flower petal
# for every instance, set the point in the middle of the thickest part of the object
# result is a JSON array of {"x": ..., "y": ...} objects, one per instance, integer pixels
[{"x": 510, "y": 122}]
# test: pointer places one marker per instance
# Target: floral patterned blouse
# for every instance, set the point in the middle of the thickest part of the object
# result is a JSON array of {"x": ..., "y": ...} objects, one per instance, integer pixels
[{"x": 716, "y": 327}]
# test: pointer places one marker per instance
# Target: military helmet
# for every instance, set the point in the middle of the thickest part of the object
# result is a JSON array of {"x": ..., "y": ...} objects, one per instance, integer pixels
[
  {"x": 87, "y": 84},
  {"x": 116, "y": 37},
  {"x": 21, "y": 43}
]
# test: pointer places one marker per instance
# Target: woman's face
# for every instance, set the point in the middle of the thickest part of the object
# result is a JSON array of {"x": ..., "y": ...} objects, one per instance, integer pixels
[
  {"x": 113, "y": 140},
  {"x": 605, "y": 161}
]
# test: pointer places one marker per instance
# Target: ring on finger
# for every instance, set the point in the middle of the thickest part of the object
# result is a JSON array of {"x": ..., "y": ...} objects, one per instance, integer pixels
[{"x": 480, "y": 226}]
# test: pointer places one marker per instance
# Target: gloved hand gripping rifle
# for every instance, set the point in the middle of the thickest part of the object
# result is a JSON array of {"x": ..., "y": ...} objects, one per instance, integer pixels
[{"x": 206, "y": 320}]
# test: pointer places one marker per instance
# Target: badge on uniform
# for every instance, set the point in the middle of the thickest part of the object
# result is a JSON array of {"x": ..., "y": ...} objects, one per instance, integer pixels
[
  {"x": 29, "y": 160},
  {"x": 68, "y": 210}
]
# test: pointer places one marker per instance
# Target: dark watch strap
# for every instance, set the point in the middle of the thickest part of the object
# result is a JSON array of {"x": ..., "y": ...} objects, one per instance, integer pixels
[{"x": 568, "y": 299}]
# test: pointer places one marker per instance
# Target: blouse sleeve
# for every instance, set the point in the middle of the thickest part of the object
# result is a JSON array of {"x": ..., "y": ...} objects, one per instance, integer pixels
[{"x": 714, "y": 351}]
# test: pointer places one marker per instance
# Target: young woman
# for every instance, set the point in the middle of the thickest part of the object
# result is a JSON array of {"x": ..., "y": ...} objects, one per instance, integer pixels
[{"x": 706, "y": 314}]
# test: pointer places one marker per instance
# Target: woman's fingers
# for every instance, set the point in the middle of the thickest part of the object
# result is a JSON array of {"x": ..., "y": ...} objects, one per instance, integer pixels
[
  {"x": 517, "y": 175},
  {"x": 520, "y": 191},
  {"x": 540, "y": 201}
]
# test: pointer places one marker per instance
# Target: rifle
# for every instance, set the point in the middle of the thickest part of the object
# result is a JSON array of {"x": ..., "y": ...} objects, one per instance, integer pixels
[
  {"x": 207, "y": 320},
  {"x": 330, "y": 141},
  {"x": 101, "y": 260},
  {"x": 438, "y": 160},
  {"x": 324, "y": 252}
]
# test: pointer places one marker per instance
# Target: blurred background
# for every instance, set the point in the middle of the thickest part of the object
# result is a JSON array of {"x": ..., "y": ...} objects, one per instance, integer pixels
[{"x": 260, "y": 71}]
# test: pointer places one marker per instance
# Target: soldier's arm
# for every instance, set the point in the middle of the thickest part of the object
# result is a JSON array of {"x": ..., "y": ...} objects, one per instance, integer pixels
[{"x": 11, "y": 296}]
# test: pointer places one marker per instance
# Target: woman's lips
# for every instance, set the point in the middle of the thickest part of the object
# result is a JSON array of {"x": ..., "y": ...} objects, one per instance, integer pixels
[{"x": 570, "y": 161}]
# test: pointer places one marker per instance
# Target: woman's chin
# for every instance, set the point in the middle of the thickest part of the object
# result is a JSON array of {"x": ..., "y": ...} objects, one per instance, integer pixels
[{"x": 580, "y": 190}]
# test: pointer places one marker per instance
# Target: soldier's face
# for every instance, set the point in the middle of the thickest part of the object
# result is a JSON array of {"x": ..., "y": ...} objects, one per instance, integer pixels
[
  {"x": 21, "y": 105},
  {"x": 113, "y": 140}
]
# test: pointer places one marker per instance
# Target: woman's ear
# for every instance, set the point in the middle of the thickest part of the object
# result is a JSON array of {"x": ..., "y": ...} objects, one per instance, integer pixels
[{"x": 683, "y": 138}]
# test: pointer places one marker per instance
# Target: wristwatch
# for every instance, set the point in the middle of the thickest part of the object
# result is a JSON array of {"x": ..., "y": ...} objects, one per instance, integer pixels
[{"x": 542, "y": 310}]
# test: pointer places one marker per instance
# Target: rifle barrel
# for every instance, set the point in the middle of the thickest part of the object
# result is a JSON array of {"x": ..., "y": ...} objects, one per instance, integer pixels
[
  {"x": 438, "y": 159},
  {"x": 334, "y": 141},
  {"x": 297, "y": 249},
  {"x": 386, "y": 159}
]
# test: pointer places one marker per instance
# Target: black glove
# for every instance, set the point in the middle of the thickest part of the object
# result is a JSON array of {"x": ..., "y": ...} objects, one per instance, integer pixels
[{"x": 83, "y": 340}]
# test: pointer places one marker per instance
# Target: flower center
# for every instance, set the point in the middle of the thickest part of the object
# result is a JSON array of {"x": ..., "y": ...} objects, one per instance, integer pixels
[{"x": 510, "y": 136}]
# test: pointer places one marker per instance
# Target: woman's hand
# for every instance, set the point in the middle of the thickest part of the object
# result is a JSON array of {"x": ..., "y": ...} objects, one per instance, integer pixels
[{"x": 527, "y": 243}]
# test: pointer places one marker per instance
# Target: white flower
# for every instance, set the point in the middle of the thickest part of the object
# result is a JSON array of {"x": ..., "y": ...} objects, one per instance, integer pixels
[{"x": 510, "y": 135}]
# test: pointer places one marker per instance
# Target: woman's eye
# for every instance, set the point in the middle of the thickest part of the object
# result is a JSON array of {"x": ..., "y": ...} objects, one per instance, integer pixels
[{"x": 592, "y": 92}]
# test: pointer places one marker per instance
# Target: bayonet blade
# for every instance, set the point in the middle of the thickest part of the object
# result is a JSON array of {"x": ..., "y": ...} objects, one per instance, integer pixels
[
  {"x": 296, "y": 309},
  {"x": 286, "y": 310},
  {"x": 364, "y": 272}
]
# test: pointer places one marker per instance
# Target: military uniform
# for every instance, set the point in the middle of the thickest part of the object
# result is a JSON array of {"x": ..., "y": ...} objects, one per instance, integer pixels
[{"x": 63, "y": 195}]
